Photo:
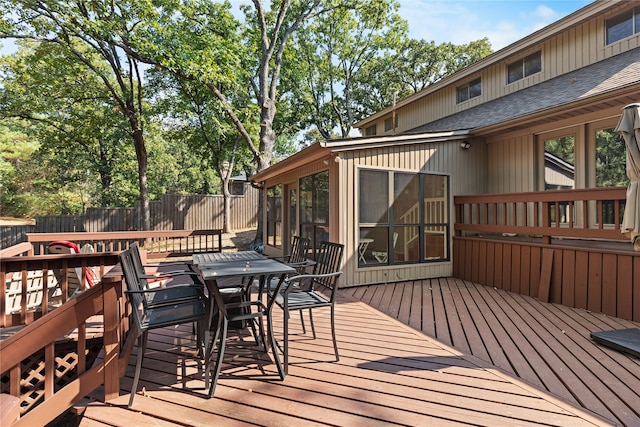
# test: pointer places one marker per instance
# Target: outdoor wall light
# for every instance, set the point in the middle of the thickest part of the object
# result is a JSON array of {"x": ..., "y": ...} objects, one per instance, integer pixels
[{"x": 465, "y": 144}]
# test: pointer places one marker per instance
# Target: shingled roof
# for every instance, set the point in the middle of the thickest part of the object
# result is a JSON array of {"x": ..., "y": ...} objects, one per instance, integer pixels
[{"x": 609, "y": 74}]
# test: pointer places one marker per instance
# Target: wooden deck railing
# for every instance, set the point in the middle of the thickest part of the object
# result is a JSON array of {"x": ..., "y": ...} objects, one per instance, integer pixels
[
  {"x": 584, "y": 213},
  {"x": 42, "y": 403},
  {"x": 158, "y": 244},
  {"x": 43, "y": 267}
]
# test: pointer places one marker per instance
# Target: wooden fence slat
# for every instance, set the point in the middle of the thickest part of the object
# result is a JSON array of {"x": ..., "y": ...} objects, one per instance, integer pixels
[{"x": 545, "y": 275}]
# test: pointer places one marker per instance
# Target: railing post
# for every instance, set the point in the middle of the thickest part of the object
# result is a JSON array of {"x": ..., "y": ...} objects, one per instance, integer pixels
[
  {"x": 546, "y": 222},
  {"x": 111, "y": 342}
]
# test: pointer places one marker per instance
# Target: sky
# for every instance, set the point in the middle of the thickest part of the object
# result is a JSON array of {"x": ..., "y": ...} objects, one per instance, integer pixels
[
  {"x": 461, "y": 21},
  {"x": 502, "y": 21}
]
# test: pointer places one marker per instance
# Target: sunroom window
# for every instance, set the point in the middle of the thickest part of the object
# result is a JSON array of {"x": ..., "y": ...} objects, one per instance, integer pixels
[
  {"x": 403, "y": 218},
  {"x": 314, "y": 208},
  {"x": 274, "y": 216}
]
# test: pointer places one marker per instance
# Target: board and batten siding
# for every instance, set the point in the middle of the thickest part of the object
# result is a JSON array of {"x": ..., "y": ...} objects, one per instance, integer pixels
[
  {"x": 510, "y": 165},
  {"x": 572, "y": 49},
  {"x": 466, "y": 169}
]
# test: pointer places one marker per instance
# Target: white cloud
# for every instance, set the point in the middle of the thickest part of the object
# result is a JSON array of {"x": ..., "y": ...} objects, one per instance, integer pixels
[{"x": 462, "y": 21}]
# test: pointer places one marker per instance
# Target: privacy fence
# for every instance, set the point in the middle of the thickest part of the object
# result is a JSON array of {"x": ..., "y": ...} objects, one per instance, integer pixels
[{"x": 172, "y": 212}]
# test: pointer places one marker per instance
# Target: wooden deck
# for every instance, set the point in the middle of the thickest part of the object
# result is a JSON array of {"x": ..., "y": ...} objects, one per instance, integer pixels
[
  {"x": 392, "y": 374},
  {"x": 545, "y": 345}
]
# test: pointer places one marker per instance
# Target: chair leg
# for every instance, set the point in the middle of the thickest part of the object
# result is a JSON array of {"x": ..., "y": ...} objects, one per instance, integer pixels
[
  {"x": 285, "y": 346},
  {"x": 333, "y": 333},
  {"x": 313, "y": 328},
  {"x": 142, "y": 345},
  {"x": 274, "y": 345},
  {"x": 263, "y": 337},
  {"x": 223, "y": 340},
  {"x": 304, "y": 328}
]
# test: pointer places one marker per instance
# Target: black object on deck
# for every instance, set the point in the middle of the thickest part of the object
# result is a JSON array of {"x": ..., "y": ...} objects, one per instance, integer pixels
[{"x": 625, "y": 340}]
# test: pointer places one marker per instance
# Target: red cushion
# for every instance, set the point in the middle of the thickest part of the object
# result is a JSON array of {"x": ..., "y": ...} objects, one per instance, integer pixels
[{"x": 67, "y": 244}]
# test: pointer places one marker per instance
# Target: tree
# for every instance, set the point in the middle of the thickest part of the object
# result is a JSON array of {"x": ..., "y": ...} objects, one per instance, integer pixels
[
  {"x": 16, "y": 150},
  {"x": 199, "y": 120},
  {"x": 86, "y": 30},
  {"x": 412, "y": 67},
  {"x": 69, "y": 113},
  {"x": 201, "y": 41},
  {"x": 334, "y": 49}
]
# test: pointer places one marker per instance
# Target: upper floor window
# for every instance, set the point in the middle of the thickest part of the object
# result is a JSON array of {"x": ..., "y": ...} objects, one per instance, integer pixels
[
  {"x": 388, "y": 123},
  {"x": 370, "y": 131},
  {"x": 469, "y": 90},
  {"x": 624, "y": 25},
  {"x": 525, "y": 67}
]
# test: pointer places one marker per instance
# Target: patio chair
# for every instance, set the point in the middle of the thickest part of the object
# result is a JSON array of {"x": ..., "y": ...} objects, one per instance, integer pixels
[
  {"x": 300, "y": 293},
  {"x": 161, "y": 307},
  {"x": 383, "y": 256},
  {"x": 161, "y": 279},
  {"x": 297, "y": 257},
  {"x": 231, "y": 310}
]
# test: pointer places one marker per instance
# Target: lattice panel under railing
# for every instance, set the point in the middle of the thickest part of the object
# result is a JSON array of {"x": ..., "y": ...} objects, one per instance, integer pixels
[{"x": 33, "y": 371}]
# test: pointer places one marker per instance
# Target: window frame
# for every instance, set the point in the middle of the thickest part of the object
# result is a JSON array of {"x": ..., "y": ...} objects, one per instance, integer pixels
[
  {"x": 370, "y": 130},
  {"x": 274, "y": 216},
  {"x": 391, "y": 226},
  {"x": 388, "y": 123},
  {"x": 522, "y": 64},
  {"x": 311, "y": 226},
  {"x": 621, "y": 18},
  {"x": 465, "y": 90}
]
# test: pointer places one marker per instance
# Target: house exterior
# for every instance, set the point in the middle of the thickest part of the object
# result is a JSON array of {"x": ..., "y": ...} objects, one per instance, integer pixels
[{"x": 534, "y": 116}]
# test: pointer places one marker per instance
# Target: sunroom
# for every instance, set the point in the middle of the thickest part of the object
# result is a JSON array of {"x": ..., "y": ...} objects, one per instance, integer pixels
[{"x": 387, "y": 199}]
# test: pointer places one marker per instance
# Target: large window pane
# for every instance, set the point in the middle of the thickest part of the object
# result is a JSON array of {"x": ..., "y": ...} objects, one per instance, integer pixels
[
  {"x": 373, "y": 246},
  {"x": 374, "y": 196},
  {"x": 620, "y": 27},
  {"x": 406, "y": 244},
  {"x": 435, "y": 243},
  {"x": 418, "y": 229},
  {"x": 559, "y": 160},
  {"x": 611, "y": 159},
  {"x": 274, "y": 216},
  {"x": 314, "y": 208},
  {"x": 533, "y": 64},
  {"x": 515, "y": 72},
  {"x": 406, "y": 198}
]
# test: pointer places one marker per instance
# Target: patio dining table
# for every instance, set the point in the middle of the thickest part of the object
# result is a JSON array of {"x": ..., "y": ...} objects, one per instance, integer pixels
[{"x": 243, "y": 267}]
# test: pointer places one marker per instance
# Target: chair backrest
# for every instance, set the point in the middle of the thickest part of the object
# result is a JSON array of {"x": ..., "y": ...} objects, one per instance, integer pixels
[
  {"x": 138, "y": 266},
  {"x": 299, "y": 249},
  {"x": 136, "y": 258},
  {"x": 137, "y": 300},
  {"x": 328, "y": 260}
]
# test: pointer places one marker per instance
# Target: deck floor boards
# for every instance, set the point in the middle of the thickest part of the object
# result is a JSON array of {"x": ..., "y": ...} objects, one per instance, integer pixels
[
  {"x": 546, "y": 345},
  {"x": 452, "y": 358}
]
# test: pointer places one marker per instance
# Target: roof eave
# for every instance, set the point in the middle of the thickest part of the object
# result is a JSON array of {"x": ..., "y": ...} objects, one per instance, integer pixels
[
  {"x": 307, "y": 155},
  {"x": 350, "y": 144},
  {"x": 575, "y": 105}
]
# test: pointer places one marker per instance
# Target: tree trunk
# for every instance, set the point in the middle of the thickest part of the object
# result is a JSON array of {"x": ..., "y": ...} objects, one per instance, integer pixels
[
  {"x": 267, "y": 143},
  {"x": 226, "y": 196},
  {"x": 141, "y": 154}
]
